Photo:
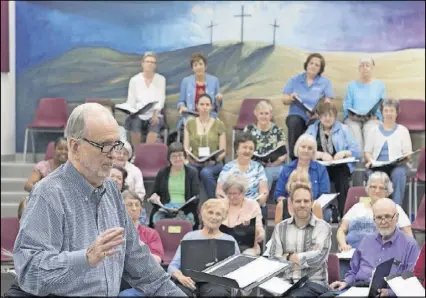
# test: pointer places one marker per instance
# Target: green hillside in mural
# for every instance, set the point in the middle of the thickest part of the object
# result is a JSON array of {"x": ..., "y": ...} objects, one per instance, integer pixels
[{"x": 244, "y": 70}]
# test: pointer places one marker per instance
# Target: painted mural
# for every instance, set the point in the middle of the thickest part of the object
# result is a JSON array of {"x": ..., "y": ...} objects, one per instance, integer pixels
[{"x": 79, "y": 50}]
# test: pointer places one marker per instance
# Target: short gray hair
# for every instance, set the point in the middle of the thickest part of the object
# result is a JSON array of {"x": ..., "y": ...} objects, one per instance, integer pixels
[
  {"x": 236, "y": 180},
  {"x": 384, "y": 178},
  {"x": 390, "y": 103},
  {"x": 303, "y": 138},
  {"x": 76, "y": 124},
  {"x": 366, "y": 60},
  {"x": 149, "y": 54}
]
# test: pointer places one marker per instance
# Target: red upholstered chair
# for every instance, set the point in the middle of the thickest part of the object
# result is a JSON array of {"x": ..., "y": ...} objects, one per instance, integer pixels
[
  {"x": 9, "y": 231},
  {"x": 354, "y": 193},
  {"x": 412, "y": 187},
  {"x": 150, "y": 158},
  {"x": 171, "y": 233},
  {"x": 333, "y": 268},
  {"x": 412, "y": 114},
  {"x": 245, "y": 117},
  {"x": 51, "y": 116},
  {"x": 419, "y": 222},
  {"x": 50, "y": 151}
]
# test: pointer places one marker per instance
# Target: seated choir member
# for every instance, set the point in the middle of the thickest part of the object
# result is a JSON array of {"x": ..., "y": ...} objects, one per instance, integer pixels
[
  {"x": 253, "y": 171},
  {"x": 388, "y": 242},
  {"x": 419, "y": 268},
  {"x": 241, "y": 210},
  {"x": 119, "y": 175},
  {"x": 173, "y": 186},
  {"x": 134, "y": 180},
  {"x": 268, "y": 137},
  {"x": 310, "y": 86},
  {"x": 305, "y": 241},
  {"x": 145, "y": 87},
  {"x": 147, "y": 236},
  {"x": 305, "y": 150},
  {"x": 194, "y": 85},
  {"x": 284, "y": 209},
  {"x": 361, "y": 95},
  {"x": 213, "y": 212},
  {"x": 45, "y": 167},
  {"x": 334, "y": 141},
  {"x": 358, "y": 222},
  {"x": 388, "y": 141},
  {"x": 202, "y": 136}
]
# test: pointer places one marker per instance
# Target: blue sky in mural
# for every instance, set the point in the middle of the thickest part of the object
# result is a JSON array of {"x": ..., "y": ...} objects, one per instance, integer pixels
[{"x": 46, "y": 29}]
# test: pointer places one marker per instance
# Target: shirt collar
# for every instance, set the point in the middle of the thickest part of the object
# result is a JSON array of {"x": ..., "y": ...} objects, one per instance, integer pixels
[
  {"x": 392, "y": 239},
  {"x": 303, "y": 77},
  {"x": 86, "y": 188},
  {"x": 311, "y": 222}
]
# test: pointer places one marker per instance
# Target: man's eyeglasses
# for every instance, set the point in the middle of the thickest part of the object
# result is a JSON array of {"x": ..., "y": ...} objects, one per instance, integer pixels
[
  {"x": 386, "y": 218},
  {"x": 106, "y": 148}
]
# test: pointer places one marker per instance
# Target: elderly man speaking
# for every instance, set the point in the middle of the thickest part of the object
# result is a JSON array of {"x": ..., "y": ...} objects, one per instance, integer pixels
[{"x": 75, "y": 236}]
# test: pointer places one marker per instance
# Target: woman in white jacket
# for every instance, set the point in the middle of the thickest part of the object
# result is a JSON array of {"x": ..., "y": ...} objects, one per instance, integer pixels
[{"x": 386, "y": 142}]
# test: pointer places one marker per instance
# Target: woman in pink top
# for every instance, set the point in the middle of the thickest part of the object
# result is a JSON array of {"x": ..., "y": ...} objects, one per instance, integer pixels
[
  {"x": 147, "y": 235},
  {"x": 45, "y": 167},
  {"x": 241, "y": 210}
]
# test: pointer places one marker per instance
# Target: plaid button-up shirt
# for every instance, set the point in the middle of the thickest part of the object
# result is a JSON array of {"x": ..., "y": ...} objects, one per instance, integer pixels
[{"x": 311, "y": 243}]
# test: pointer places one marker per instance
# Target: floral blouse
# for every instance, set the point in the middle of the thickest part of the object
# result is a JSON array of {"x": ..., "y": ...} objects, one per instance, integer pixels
[{"x": 266, "y": 140}]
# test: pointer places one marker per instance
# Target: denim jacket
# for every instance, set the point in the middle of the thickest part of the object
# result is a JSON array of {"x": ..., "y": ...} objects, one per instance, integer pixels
[
  {"x": 187, "y": 94},
  {"x": 341, "y": 137}
]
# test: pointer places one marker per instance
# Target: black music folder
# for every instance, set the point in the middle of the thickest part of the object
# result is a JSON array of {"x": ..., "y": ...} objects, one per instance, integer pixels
[
  {"x": 244, "y": 235},
  {"x": 270, "y": 156},
  {"x": 366, "y": 116},
  {"x": 204, "y": 159},
  {"x": 198, "y": 255},
  {"x": 378, "y": 280},
  {"x": 126, "y": 108}
]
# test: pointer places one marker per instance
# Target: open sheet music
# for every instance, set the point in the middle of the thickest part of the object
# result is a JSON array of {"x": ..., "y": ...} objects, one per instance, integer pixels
[
  {"x": 378, "y": 164},
  {"x": 346, "y": 255},
  {"x": 203, "y": 159},
  {"x": 405, "y": 284},
  {"x": 337, "y": 162},
  {"x": 326, "y": 198},
  {"x": 276, "y": 286},
  {"x": 272, "y": 155},
  {"x": 174, "y": 210},
  {"x": 128, "y": 109},
  {"x": 365, "y": 116},
  {"x": 355, "y": 292}
]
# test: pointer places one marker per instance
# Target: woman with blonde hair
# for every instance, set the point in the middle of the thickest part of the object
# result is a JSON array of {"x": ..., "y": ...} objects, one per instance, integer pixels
[{"x": 284, "y": 208}]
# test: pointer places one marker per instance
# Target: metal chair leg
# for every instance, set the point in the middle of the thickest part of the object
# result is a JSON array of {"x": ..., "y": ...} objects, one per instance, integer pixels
[
  {"x": 410, "y": 202},
  {"x": 25, "y": 145},
  {"x": 33, "y": 145},
  {"x": 166, "y": 135},
  {"x": 415, "y": 197}
]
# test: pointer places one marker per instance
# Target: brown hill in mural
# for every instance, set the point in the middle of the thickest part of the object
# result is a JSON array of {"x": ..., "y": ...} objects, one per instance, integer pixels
[{"x": 244, "y": 70}]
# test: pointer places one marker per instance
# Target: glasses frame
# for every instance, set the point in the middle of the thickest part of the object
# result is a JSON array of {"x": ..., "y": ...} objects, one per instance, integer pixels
[
  {"x": 384, "y": 218},
  {"x": 117, "y": 146}
]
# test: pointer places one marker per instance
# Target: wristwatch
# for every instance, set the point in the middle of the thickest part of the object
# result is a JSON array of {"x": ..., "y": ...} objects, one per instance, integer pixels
[{"x": 288, "y": 256}]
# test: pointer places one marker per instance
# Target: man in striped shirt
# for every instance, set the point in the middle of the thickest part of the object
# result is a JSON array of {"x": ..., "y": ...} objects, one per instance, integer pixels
[
  {"x": 305, "y": 241},
  {"x": 76, "y": 237}
]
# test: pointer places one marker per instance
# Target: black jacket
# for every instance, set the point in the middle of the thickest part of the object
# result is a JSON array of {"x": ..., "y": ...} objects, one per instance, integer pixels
[{"x": 161, "y": 188}]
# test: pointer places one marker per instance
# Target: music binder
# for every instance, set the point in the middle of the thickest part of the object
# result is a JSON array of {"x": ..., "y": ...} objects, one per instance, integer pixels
[
  {"x": 204, "y": 159},
  {"x": 128, "y": 109},
  {"x": 270, "y": 156},
  {"x": 379, "y": 164},
  {"x": 241, "y": 272},
  {"x": 299, "y": 102},
  {"x": 337, "y": 162},
  {"x": 183, "y": 208},
  {"x": 405, "y": 284},
  {"x": 190, "y": 113},
  {"x": 325, "y": 199},
  {"x": 366, "y": 116},
  {"x": 244, "y": 235},
  {"x": 200, "y": 254}
]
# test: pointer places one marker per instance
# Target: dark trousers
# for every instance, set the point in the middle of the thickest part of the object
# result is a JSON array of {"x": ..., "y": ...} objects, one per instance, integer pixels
[
  {"x": 339, "y": 175},
  {"x": 206, "y": 289},
  {"x": 309, "y": 289},
  {"x": 296, "y": 127}
]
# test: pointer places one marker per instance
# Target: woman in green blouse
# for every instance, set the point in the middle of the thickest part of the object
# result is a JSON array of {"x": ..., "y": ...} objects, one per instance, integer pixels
[
  {"x": 202, "y": 136},
  {"x": 268, "y": 137}
]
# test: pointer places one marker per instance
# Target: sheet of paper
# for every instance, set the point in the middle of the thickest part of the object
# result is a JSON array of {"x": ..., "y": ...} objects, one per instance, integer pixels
[
  {"x": 347, "y": 255},
  {"x": 410, "y": 287},
  {"x": 276, "y": 286},
  {"x": 355, "y": 292},
  {"x": 255, "y": 271},
  {"x": 326, "y": 198},
  {"x": 338, "y": 162}
]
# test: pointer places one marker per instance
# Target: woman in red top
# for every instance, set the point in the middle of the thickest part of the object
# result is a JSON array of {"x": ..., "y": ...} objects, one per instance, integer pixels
[
  {"x": 419, "y": 269},
  {"x": 147, "y": 235}
]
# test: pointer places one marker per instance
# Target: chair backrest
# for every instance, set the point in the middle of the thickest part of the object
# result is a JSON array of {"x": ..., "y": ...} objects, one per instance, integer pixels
[
  {"x": 412, "y": 114},
  {"x": 246, "y": 115},
  {"x": 419, "y": 222},
  {"x": 150, "y": 158},
  {"x": 420, "y": 174},
  {"x": 171, "y": 232},
  {"x": 9, "y": 231},
  {"x": 354, "y": 193},
  {"x": 50, "y": 151},
  {"x": 51, "y": 112},
  {"x": 333, "y": 268}
]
